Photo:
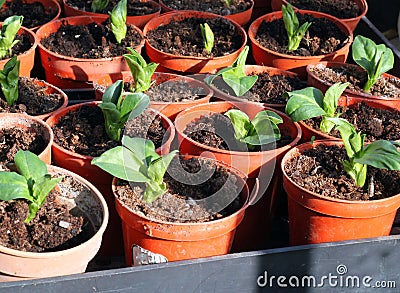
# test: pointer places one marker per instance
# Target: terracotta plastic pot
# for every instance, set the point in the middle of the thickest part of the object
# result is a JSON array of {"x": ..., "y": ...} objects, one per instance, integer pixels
[
  {"x": 309, "y": 132},
  {"x": 17, "y": 265},
  {"x": 352, "y": 23},
  {"x": 28, "y": 57},
  {"x": 241, "y": 18},
  {"x": 180, "y": 241},
  {"x": 265, "y": 56},
  {"x": 81, "y": 165},
  {"x": 314, "y": 218},
  {"x": 255, "y": 69},
  {"x": 252, "y": 233},
  {"x": 137, "y": 20},
  {"x": 167, "y": 108},
  {"x": 25, "y": 122},
  {"x": 70, "y": 72},
  {"x": 189, "y": 64},
  {"x": 323, "y": 85},
  {"x": 51, "y": 89}
]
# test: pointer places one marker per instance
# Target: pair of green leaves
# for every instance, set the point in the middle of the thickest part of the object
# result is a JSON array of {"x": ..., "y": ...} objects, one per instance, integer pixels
[
  {"x": 32, "y": 182},
  {"x": 375, "y": 59},
  {"x": 294, "y": 31},
  {"x": 381, "y": 154},
  {"x": 117, "y": 109},
  {"x": 137, "y": 161},
  {"x": 261, "y": 130},
  {"x": 9, "y": 29},
  {"x": 9, "y": 80},
  {"x": 234, "y": 76},
  {"x": 311, "y": 102},
  {"x": 140, "y": 69},
  {"x": 99, "y": 5},
  {"x": 208, "y": 37},
  {"x": 118, "y": 20}
]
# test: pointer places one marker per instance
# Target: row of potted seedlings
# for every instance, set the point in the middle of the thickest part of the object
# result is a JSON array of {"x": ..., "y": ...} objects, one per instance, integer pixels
[{"x": 180, "y": 205}]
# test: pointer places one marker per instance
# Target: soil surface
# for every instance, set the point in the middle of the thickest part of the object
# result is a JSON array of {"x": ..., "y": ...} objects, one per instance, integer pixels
[
  {"x": 184, "y": 37},
  {"x": 44, "y": 233},
  {"x": 32, "y": 99},
  {"x": 83, "y": 131},
  {"x": 216, "y": 130},
  {"x": 320, "y": 170},
  {"x": 337, "y": 8},
  {"x": 375, "y": 123},
  {"x": 35, "y": 14},
  {"x": 183, "y": 200},
  {"x": 322, "y": 37},
  {"x": 14, "y": 139},
  {"x": 214, "y": 6},
  {"x": 268, "y": 89},
  {"x": 23, "y": 45},
  {"x": 91, "y": 41},
  {"x": 386, "y": 87},
  {"x": 134, "y": 7}
]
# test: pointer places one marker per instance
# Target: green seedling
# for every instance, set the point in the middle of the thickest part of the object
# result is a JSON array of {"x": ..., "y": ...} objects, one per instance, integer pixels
[
  {"x": 118, "y": 20},
  {"x": 137, "y": 161},
  {"x": 208, "y": 37},
  {"x": 9, "y": 80},
  {"x": 9, "y": 30},
  {"x": 99, "y": 5},
  {"x": 32, "y": 182},
  {"x": 294, "y": 31}
]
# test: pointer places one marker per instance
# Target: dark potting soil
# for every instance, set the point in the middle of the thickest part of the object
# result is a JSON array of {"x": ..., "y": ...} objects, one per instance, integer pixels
[
  {"x": 179, "y": 203},
  {"x": 14, "y": 139},
  {"x": 35, "y": 14},
  {"x": 375, "y": 123},
  {"x": 214, "y": 6},
  {"x": 134, "y": 7},
  {"x": 184, "y": 37},
  {"x": 91, "y": 41},
  {"x": 337, "y": 8},
  {"x": 320, "y": 170},
  {"x": 322, "y": 37},
  {"x": 267, "y": 89},
  {"x": 216, "y": 130},
  {"x": 46, "y": 232},
  {"x": 23, "y": 45},
  {"x": 32, "y": 99},
  {"x": 386, "y": 87},
  {"x": 83, "y": 131}
]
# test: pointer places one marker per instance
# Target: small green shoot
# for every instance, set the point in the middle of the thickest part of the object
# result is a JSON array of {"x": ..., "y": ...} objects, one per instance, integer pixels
[
  {"x": 9, "y": 80},
  {"x": 235, "y": 76},
  {"x": 311, "y": 102},
  {"x": 375, "y": 59},
  {"x": 99, "y": 5},
  {"x": 9, "y": 30},
  {"x": 118, "y": 20},
  {"x": 256, "y": 132},
  {"x": 381, "y": 154},
  {"x": 294, "y": 31},
  {"x": 137, "y": 161},
  {"x": 32, "y": 182},
  {"x": 117, "y": 109},
  {"x": 140, "y": 69},
  {"x": 208, "y": 37},
  {"x": 228, "y": 2}
]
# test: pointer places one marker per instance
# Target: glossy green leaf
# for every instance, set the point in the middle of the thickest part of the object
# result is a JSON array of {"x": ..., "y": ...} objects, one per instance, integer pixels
[
  {"x": 9, "y": 78},
  {"x": 208, "y": 36},
  {"x": 9, "y": 30},
  {"x": 241, "y": 123},
  {"x": 304, "y": 104},
  {"x": 381, "y": 154},
  {"x": 158, "y": 167},
  {"x": 134, "y": 105},
  {"x": 113, "y": 93},
  {"x": 294, "y": 31},
  {"x": 118, "y": 20},
  {"x": 331, "y": 98},
  {"x": 153, "y": 191},
  {"x": 13, "y": 186},
  {"x": 29, "y": 165}
]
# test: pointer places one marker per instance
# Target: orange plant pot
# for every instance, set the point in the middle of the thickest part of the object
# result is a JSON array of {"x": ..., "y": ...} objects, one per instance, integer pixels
[
  {"x": 28, "y": 57},
  {"x": 315, "y": 81},
  {"x": 70, "y": 72},
  {"x": 17, "y": 265},
  {"x": 22, "y": 121},
  {"x": 267, "y": 57},
  {"x": 241, "y": 18},
  {"x": 352, "y": 23},
  {"x": 82, "y": 165},
  {"x": 50, "y": 6},
  {"x": 169, "y": 109},
  {"x": 137, "y": 20},
  {"x": 180, "y": 241},
  {"x": 315, "y": 219},
  {"x": 256, "y": 69},
  {"x": 189, "y": 64}
]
